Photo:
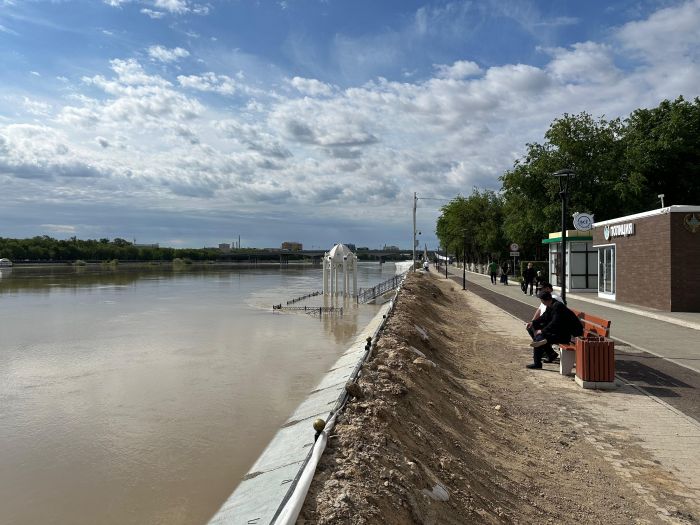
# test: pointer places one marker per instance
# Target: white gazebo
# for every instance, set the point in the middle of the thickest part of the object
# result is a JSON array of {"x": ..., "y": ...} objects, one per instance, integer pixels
[{"x": 339, "y": 259}]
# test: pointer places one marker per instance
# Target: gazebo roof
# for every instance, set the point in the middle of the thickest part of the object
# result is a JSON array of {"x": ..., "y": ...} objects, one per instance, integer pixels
[{"x": 339, "y": 251}]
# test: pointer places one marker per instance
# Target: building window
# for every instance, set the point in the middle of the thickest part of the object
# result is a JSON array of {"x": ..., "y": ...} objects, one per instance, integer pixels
[{"x": 606, "y": 271}]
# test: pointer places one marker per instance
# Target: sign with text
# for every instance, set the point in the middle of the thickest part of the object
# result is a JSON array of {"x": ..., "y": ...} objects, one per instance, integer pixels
[
  {"x": 618, "y": 230},
  {"x": 515, "y": 254}
]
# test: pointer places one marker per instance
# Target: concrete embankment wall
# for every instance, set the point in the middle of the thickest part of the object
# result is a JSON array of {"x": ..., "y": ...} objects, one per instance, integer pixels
[{"x": 271, "y": 480}]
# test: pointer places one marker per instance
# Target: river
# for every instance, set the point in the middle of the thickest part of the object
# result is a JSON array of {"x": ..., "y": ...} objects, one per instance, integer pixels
[{"x": 143, "y": 396}]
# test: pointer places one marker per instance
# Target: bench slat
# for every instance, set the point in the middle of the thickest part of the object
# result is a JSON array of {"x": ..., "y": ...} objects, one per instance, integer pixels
[{"x": 605, "y": 323}]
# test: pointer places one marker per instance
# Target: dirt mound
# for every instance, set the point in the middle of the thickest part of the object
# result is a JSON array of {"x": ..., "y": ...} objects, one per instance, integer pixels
[{"x": 444, "y": 431}]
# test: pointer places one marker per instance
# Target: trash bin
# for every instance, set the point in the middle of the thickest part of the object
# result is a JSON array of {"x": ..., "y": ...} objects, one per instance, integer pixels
[{"x": 595, "y": 362}]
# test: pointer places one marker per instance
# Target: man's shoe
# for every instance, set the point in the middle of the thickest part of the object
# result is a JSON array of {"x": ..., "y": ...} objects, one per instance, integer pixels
[
  {"x": 534, "y": 366},
  {"x": 537, "y": 344},
  {"x": 551, "y": 358}
]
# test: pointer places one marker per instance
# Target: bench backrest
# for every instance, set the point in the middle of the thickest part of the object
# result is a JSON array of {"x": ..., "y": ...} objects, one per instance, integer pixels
[{"x": 593, "y": 325}]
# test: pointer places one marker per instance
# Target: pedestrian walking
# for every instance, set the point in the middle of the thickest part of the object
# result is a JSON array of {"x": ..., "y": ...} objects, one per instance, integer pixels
[
  {"x": 493, "y": 270},
  {"x": 529, "y": 275},
  {"x": 505, "y": 270}
]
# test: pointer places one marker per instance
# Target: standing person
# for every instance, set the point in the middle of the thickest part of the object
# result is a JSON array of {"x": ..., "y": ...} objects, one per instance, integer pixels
[
  {"x": 558, "y": 325},
  {"x": 529, "y": 278},
  {"x": 505, "y": 270},
  {"x": 493, "y": 270}
]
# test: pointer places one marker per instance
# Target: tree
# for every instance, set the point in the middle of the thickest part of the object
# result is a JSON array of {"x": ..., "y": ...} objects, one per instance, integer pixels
[
  {"x": 663, "y": 153},
  {"x": 476, "y": 219},
  {"x": 593, "y": 149}
]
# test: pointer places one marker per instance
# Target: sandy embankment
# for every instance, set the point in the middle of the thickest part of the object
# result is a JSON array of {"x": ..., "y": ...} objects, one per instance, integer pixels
[{"x": 464, "y": 434}]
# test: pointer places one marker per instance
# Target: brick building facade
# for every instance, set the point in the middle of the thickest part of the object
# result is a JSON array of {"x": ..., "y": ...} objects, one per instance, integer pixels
[{"x": 651, "y": 259}]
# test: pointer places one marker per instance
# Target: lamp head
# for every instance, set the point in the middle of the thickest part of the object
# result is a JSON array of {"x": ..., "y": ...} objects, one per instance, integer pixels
[{"x": 563, "y": 176}]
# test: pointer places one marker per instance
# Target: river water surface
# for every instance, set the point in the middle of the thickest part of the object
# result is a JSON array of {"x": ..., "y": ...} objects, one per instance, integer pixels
[{"x": 143, "y": 396}]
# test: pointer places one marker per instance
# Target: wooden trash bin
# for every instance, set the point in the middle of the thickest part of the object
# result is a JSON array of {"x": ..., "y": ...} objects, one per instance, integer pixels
[{"x": 595, "y": 362}]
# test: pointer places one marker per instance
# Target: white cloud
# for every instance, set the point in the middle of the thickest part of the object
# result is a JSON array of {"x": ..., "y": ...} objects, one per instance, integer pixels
[
  {"x": 36, "y": 107},
  {"x": 311, "y": 86},
  {"x": 584, "y": 62},
  {"x": 173, "y": 6},
  {"x": 4, "y": 29},
  {"x": 153, "y": 14},
  {"x": 167, "y": 55},
  {"x": 221, "y": 84},
  {"x": 668, "y": 33},
  {"x": 59, "y": 228},
  {"x": 460, "y": 69}
]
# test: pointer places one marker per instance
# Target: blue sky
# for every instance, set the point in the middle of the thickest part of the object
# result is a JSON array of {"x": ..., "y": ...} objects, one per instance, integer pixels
[{"x": 189, "y": 123}]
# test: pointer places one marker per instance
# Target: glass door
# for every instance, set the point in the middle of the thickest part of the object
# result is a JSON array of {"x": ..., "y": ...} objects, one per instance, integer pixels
[{"x": 606, "y": 271}]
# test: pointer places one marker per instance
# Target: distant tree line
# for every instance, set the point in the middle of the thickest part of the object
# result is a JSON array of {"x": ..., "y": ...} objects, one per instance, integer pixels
[
  {"x": 620, "y": 168},
  {"x": 48, "y": 249}
]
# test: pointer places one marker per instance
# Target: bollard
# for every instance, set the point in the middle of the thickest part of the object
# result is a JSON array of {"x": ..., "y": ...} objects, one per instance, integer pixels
[{"x": 319, "y": 425}]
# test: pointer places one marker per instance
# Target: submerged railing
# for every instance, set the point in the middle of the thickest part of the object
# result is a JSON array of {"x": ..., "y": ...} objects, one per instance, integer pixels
[
  {"x": 301, "y": 298},
  {"x": 367, "y": 294},
  {"x": 311, "y": 310}
]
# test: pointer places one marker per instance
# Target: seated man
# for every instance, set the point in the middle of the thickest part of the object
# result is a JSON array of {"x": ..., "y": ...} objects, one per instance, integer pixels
[
  {"x": 558, "y": 325},
  {"x": 546, "y": 287}
]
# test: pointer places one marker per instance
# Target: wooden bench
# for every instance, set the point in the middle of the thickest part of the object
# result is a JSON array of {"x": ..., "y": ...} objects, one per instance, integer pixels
[{"x": 592, "y": 326}]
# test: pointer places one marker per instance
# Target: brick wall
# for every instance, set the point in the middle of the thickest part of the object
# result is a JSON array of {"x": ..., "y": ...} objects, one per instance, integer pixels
[
  {"x": 685, "y": 280},
  {"x": 643, "y": 269}
]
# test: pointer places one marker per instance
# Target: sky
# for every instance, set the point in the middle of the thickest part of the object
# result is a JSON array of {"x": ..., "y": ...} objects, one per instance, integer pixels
[{"x": 189, "y": 123}]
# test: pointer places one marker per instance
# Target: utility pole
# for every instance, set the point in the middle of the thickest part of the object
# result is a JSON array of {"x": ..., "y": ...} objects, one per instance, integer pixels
[{"x": 415, "y": 202}]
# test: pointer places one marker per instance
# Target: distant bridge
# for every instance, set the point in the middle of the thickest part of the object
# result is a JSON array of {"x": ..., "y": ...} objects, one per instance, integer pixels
[{"x": 284, "y": 256}]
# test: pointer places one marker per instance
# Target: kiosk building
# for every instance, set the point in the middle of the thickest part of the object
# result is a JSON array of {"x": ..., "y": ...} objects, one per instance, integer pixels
[{"x": 651, "y": 259}]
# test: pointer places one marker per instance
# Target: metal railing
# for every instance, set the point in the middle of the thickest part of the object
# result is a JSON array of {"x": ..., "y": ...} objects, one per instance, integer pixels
[
  {"x": 311, "y": 310},
  {"x": 301, "y": 298},
  {"x": 367, "y": 294}
]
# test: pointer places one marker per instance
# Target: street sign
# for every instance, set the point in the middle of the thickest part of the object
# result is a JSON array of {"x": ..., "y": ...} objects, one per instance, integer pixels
[
  {"x": 514, "y": 247},
  {"x": 583, "y": 221},
  {"x": 515, "y": 254}
]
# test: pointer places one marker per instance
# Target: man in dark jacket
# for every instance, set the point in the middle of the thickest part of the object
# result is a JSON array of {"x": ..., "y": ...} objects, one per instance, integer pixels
[
  {"x": 558, "y": 325},
  {"x": 529, "y": 275}
]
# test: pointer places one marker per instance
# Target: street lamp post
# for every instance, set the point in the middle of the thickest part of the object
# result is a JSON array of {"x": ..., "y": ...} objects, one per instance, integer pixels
[
  {"x": 464, "y": 260},
  {"x": 415, "y": 203},
  {"x": 563, "y": 176}
]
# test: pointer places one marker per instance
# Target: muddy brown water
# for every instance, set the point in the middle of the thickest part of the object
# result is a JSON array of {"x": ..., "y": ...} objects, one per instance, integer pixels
[{"x": 145, "y": 396}]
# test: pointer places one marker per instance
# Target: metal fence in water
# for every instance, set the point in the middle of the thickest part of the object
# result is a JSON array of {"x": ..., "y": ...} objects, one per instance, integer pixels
[
  {"x": 367, "y": 294},
  {"x": 311, "y": 310}
]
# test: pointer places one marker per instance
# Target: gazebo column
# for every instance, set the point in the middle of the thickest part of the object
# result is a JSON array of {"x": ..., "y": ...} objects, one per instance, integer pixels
[
  {"x": 345, "y": 276},
  {"x": 354, "y": 276}
]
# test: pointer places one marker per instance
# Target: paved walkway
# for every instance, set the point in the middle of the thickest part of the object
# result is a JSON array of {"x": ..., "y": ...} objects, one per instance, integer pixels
[
  {"x": 649, "y": 443},
  {"x": 659, "y": 358},
  {"x": 640, "y": 328}
]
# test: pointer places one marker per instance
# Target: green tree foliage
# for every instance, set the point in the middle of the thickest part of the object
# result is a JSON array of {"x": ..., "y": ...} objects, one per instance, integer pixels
[
  {"x": 663, "y": 152},
  {"x": 476, "y": 220},
  {"x": 620, "y": 168},
  {"x": 593, "y": 149}
]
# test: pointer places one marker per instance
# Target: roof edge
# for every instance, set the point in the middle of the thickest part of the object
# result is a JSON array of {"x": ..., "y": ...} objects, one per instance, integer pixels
[{"x": 676, "y": 208}]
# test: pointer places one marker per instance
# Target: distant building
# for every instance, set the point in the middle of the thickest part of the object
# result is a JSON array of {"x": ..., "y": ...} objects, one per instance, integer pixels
[
  {"x": 350, "y": 246},
  {"x": 292, "y": 246},
  {"x": 391, "y": 248},
  {"x": 224, "y": 247}
]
